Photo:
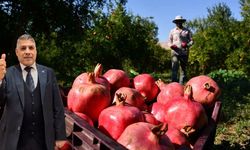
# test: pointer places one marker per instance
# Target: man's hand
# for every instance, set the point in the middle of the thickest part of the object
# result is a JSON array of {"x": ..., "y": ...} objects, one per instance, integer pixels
[
  {"x": 62, "y": 145},
  {"x": 2, "y": 66},
  {"x": 174, "y": 47}
]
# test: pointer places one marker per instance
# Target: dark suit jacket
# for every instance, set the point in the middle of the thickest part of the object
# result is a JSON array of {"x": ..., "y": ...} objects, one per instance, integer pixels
[{"x": 12, "y": 98}]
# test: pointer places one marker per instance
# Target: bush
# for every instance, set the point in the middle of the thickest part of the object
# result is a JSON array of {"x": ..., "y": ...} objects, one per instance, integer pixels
[{"x": 229, "y": 78}]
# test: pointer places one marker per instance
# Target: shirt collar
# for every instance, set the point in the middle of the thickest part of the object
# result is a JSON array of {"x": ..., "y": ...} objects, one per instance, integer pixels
[{"x": 33, "y": 66}]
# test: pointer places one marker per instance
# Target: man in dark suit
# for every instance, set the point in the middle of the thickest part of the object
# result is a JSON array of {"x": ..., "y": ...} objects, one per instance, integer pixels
[{"x": 33, "y": 117}]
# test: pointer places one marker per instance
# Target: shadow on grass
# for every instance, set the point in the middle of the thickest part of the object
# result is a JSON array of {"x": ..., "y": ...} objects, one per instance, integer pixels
[
  {"x": 233, "y": 94},
  {"x": 225, "y": 145}
]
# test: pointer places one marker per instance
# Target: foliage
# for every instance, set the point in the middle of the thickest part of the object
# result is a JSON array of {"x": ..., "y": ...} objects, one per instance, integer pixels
[
  {"x": 69, "y": 59},
  {"x": 68, "y": 19},
  {"x": 126, "y": 41},
  {"x": 227, "y": 77},
  {"x": 117, "y": 40},
  {"x": 219, "y": 43},
  {"x": 245, "y": 8}
]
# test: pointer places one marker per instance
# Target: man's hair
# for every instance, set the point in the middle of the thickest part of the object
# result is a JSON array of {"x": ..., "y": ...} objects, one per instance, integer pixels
[{"x": 25, "y": 37}]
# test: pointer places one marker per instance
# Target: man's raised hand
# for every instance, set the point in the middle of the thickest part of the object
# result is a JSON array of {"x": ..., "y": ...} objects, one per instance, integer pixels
[{"x": 2, "y": 66}]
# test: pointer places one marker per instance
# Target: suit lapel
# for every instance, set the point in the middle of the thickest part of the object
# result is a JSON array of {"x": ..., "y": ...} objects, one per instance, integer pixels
[
  {"x": 19, "y": 83},
  {"x": 42, "y": 78}
]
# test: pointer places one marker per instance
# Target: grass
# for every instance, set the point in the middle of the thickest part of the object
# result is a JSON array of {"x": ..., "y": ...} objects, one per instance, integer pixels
[{"x": 234, "y": 133}]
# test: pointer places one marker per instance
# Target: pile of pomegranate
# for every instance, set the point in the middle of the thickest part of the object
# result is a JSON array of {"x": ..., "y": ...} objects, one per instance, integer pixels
[{"x": 142, "y": 112}]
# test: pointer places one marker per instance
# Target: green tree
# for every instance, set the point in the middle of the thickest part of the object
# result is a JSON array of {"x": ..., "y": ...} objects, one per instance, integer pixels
[
  {"x": 121, "y": 40},
  {"x": 116, "y": 38},
  {"x": 68, "y": 19},
  {"x": 240, "y": 58},
  {"x": 215, "y": 40}
]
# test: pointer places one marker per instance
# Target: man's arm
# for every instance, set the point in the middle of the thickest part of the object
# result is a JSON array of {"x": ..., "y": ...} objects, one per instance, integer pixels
[
  {"x": 2, "y": 94},
  {"x": 170, "y": 39},
  {"x": 59, "y": 124},
  {"x": 2, "y": 66}
]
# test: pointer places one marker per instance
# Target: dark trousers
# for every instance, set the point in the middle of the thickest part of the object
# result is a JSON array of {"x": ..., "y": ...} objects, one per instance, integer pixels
[{"x": 179, "y": 61}]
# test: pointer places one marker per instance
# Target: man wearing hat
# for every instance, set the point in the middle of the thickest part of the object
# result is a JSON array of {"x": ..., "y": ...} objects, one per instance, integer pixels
[{"x": 180, "y": 39}]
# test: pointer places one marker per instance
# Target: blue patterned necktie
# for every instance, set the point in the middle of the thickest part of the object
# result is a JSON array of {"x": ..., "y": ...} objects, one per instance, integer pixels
[{"x": 29, "y": 79}]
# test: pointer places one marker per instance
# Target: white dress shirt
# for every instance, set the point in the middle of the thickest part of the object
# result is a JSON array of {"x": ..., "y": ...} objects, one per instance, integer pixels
[{"x": 33, "y": 72}]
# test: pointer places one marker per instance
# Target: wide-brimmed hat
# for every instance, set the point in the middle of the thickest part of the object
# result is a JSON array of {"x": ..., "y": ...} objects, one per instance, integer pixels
[{"x": 179, "y": 18}]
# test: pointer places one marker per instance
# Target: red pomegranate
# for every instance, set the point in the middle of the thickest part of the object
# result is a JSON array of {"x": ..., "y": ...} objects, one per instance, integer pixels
[
  {"x": 158, "y": 110},
  {"x": 80, "y": 79},
  {"x": 133, "y": 97},
  {"x": 148, "y": 117},
  {"x": 161, "y": 84},
  {"x": 90, "y": 98},
  {"x": 145, "y": 136},
  {"x": 185, "y": 112},
  {"x": 117, "y": 78},
  {"x": 169, "y": 91},
  {"x": 178, "y": 138},
  {"x": 205, "y": 90},
  {"x": 146, "y": 85},
  {"x": 83, "y": 78},
  {"x": 85, "y": 117},
  {"x": 114, "y": 119},
  {"x": 99, "y": 77}
]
